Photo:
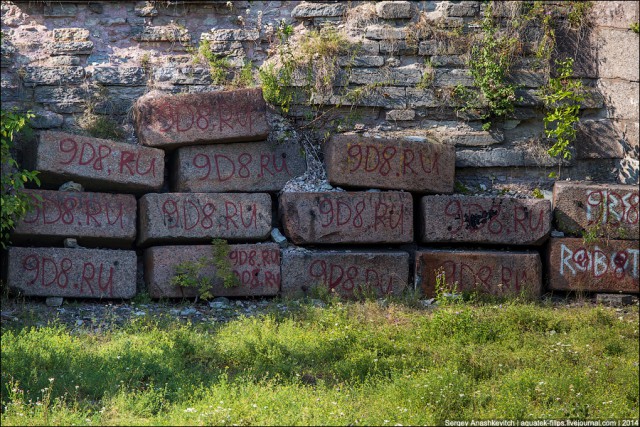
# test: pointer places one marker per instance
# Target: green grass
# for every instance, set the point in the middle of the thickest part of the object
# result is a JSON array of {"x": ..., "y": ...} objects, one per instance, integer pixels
[{"x": 347, "y": 363}]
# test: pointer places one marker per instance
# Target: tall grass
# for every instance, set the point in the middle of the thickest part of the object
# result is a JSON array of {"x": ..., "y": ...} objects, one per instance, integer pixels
[{"x": 348, "y": 363}]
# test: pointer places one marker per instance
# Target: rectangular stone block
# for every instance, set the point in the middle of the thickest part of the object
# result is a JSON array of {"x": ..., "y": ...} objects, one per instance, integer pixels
[
  {"x": 171, "y": 120},
  {"x": 606, "y": 209},
  {"x": 97, "y": 164},
  {"x": 93, "y": 218},
  {"x": 358, "y": 161},
  {"x": 258, "y": 166},
  {"x": 489, "y": 220},
  {"x": 347, "y": 217},
  {"x": 53, "y": 75},
  {"x": 256, "y": 266},
  {"x": 199, "y": 217},
  {"x": 602, "y": 266},
  {"x": 491, "y": 272},
  {"x": 72, "y": 273},
  {"x": 346, "y": 273}
]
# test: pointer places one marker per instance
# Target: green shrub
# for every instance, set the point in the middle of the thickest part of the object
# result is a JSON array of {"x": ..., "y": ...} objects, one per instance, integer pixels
[{"x": 15, "y": 203}]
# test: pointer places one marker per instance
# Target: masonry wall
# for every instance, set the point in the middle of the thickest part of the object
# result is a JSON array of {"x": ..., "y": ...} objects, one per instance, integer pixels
[{"x": 197, "y": 163}]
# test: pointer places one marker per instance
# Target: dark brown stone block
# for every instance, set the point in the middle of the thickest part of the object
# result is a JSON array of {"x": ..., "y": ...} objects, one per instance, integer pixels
[
  {"x": 256, "y": 266},
  {"x": 169, "y": 121},
  {"x": 347, "y": 217}
]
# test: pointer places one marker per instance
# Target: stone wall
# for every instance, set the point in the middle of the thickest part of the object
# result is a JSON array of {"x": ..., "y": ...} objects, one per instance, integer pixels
[
  {"x": 430, "y": 194},
  {"x": 64, "y": 59}
]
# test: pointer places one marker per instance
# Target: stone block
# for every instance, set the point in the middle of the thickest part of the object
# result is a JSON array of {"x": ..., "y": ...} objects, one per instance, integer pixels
[
  {"x": 359, "y": 161},
  {"x": 385, "y": 32},
  {"x": 385, "y": 96},
  {"x": 422, "y": 98},
  {"x": 70, "y": 34},
  {"x": 453, "y": 77},
  {"x": 503, "y": 274},
  {"x": 59, "y": 9},
  {"x": 92, "y": 218},
  {"x": 72, "y": 273},
  {"x": 46, "y": 119},
  {"x": 172, "y": 120},
  {"x": 256, "y": 267},
  {"x": 448, "y": 61},
  {"x": 306, "y": 10},
  {"x": 611, "y": 64},
  {"x": 620, "y": 98},
  {"x": 614, "y": 14},
  {"x": 607, "y": 209},
  {"x": 168, "y": 33},
  {"x": 400, "y": 115},
  {"x": 526, "y": 78},
  {"x": 72, "y": 48},
  {"x": 603, "y": 266},
  {"x": 199, "y": 217},
  {"x": 63, "y": 61},
  {"x": 395, "y": 48},
  {"x": 361, "y": 61},
  {"x": 487, "y": 220},
  {"x": 53, "y": 75},
  {"x": 462, "y": 8},
  {"x": 463, "y": 135},
  {"x": 185, "y": 75},
  {"x": 346, "y": 273},
  {"x": 98, "y": 164},
  {"x": 347, "y": 217},
  {"x": 598, "y": 139},
  {"x": 394, "y": 9},
  {"x": 125, "y": 76},
  {"x": 454, "y": 46},
  {"x": 68, "y": 99},
  {"x": 248, "y": 167},
  {"x": 402, "y": 76},
  {"x": 234, "y": 35}
]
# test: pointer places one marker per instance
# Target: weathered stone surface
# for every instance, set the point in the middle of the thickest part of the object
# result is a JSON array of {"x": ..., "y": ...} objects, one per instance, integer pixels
[
  {"x": 462, "y": 8},
  {"x": 479, "y": 219},
  {"x": 421, "y": 98},
  {"x": 258, "y": 166},
  {"x": 400, "y": 115},
  {"x": 145, "y": 8},
  {"x": 347, "y": 273},
  {"x": 63, "y": 61},
  {"x": 199, "y": 217},
  {"x": 358, "y": 161},
  {"x": 126, "y": 76},
  {"x": 386, "y": 96},
  {"x": 401, "y": 76},
  {"x": 171, "y": 120},
  {"x": 98, "y": 164},
  {"x": 75, "y": 273},
  {"x": 68, "y": 99},
  {"x": 611, "y": 64},
  {"x": 229, "y": 35},
  {"x": 70, "y": 34},
  {"x": 92, "y": 218},
  {"x": 71, "y": 48},
  {"x": 342, "y": 218},
  {"x": 448, "y": 61},
  {"x": 184, "y": 75},
  {"x": 492, "y": 272},
  {"x": 397, "y": 47},
  {"x": 53, "y": 75},
  {"x": 621, "y": 98},
  {"x": 394, "y": 9},
  {"x": 615, "y": 300},
  {"x": 117, "y": 100},
  {"x": 503, "y": 157},
  {"x": 256, "y": 266},
  {"x": 385, "y": 32},
  {"x": 526, "y": 78},
  {"x": 59, "y": 9},
  {"x": 598, "y": 139},
  {"x": 458, "y": 134},
  {"x": 617, "y": 14},
  {"x": 604, "y": 266},
  {"x": 607, "y": 209},
  {"x": 455, "y": 46},
  {"x": 361, "y": 61},
  {"x": 46, "y": 119},
  {"x": 453, "y": 77},
  {"x": 168, "y": 33},
  {"x": 315, "y": 10}
]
